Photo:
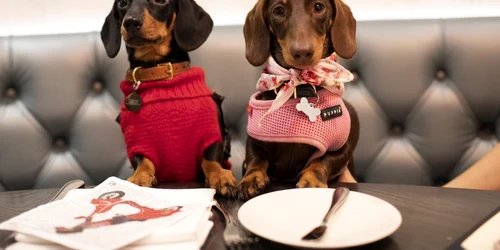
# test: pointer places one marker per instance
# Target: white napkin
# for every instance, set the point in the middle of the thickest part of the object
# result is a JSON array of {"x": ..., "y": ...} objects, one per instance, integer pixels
[
  {"x": 486, "y": 237},
  {"x": 189, "y": 230},
  {"x": 186, "y": 229},
  {"x": 32, "y": 243}
]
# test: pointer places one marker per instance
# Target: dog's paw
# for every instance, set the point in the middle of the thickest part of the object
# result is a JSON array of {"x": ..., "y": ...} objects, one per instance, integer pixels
[
  {"x": 310, "y": 180},
  {"x": 253, "y": 184},
  {"x": 223, "y": 182},
  {"x": 143, "y": 179}
]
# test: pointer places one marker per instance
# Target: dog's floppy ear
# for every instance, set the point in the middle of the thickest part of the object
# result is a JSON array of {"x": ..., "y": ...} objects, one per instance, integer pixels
[
  {"x": 257, "y": 35},
  {"x": 343, "y": 33},
  {"x": 110, "y": 33},
  {"x": 192, "y": 25}
]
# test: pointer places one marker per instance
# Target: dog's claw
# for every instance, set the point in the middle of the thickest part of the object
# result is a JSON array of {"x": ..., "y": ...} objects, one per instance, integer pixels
[
  {"x": 143, "y": 180},
  {"x": 231, "y": 191},
  {"x": 252, "y": 185},
  {"x": 224, "y": 183},
  {"x": 310, "y": 181}
]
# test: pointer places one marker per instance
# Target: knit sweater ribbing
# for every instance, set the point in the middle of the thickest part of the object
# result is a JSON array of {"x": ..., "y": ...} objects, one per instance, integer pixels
[{"x": 176, "y": 123}]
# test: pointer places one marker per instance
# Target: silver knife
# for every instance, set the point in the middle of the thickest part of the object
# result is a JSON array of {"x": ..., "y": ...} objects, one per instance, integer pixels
[
  {"x": 68, "y": 186},
  {"x": 339, "y": 197}
]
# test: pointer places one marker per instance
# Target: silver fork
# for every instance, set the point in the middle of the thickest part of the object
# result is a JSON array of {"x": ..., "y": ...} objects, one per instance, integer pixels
[{"x": 232, "y": 238}]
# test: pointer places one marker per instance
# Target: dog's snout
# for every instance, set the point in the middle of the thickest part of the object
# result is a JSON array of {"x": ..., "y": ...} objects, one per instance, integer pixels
[
  {"x": 132, "y": 25},
  {"x": 302, "y": 52}
]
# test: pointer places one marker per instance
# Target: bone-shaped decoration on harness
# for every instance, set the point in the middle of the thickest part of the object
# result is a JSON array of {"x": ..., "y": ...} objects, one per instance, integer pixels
[{"x": 308, "y": 109}]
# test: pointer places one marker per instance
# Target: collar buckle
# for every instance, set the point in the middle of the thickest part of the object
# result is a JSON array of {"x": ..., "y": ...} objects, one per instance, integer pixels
[{"x": 170, "y": 71}]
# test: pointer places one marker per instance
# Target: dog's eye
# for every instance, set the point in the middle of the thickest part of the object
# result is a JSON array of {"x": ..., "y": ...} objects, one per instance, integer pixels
[
  {"x": 319, "y": 8},
  {"x": 279, "y": 11},
  {"x": 161, "y": 2},
  {"x": 122, "y": 3}
]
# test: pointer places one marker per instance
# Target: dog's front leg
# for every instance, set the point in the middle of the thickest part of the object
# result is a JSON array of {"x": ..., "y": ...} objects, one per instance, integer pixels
[
  {"x": 144, "y": 174},
  {"x": 317, "y": 174},
  {"x": 216, "y": 177},
  {"x": 255, "y": 180}
]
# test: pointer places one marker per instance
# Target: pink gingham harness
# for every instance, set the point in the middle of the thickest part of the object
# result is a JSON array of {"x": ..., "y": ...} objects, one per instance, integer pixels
[{"x": 280, "y": 120}]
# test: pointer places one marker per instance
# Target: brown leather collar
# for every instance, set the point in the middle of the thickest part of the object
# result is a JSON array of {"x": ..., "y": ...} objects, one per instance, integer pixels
[{"x": 164, "y": 71}]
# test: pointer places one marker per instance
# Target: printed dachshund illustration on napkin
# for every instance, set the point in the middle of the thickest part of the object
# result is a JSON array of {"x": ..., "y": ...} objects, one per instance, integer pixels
[{"x": 106, "y": 201}]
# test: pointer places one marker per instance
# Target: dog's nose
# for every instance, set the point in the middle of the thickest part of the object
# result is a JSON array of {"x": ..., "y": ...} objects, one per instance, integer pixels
[
  {"x": 132, "y": 25},
  {"x": 302, "y": 52}
]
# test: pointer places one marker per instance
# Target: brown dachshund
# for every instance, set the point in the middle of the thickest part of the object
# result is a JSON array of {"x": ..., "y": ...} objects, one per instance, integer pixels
[
  {"x": 158, "y": 35},
  {"x": 297, "y": 34}
]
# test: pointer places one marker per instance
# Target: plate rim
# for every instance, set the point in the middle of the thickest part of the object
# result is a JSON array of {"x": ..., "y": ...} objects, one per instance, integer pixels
[{"x": 398, "y": 226}]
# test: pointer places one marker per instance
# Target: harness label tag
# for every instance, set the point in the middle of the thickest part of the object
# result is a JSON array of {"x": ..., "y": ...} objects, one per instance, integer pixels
[{"x": 330, "y": 113}]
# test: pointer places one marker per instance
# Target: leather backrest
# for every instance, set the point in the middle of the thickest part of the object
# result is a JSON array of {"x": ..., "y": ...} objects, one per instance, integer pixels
[
  {"x": 426, "y": 93},
  {"x": 427, "y": 97}
]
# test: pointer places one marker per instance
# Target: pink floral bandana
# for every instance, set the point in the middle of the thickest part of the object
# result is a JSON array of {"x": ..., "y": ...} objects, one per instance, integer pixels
[{"x": 327, "y": 73}]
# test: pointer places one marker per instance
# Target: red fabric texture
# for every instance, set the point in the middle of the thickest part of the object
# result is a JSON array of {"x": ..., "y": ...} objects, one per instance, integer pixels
[{"x": 176, "y": 123}]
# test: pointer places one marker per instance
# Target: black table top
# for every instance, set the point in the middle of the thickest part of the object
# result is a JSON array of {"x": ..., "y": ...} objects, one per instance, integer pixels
[{"x": 433, "y": 217}]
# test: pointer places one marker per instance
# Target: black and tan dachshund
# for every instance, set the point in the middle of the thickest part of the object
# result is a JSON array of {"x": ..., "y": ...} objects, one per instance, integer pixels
[
  {"x": 158, "y": 35},
  {"x": 297, "y": 34}
]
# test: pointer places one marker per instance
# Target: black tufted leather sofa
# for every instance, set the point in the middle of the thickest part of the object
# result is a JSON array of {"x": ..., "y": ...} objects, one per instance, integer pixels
[{"x": 427, "y": 92}]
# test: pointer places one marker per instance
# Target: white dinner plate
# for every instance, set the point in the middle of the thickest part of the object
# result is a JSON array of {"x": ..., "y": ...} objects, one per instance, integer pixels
[{"x": 286, "y": 216}]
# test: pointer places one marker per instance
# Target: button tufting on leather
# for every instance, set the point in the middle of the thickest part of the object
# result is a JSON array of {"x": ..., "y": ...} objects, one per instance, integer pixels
[
  {"x": 441, "y": 75},
  {"x": 396, "y": 89},
  {"x": 97, "y": 86},
  {"x": 440, "y": 182},
  {"x": 397, "y": 130},
  {"x": 486, "y": 132},
  {"x": 59, "y": 144},
  {"x": 11, "y": 93}
]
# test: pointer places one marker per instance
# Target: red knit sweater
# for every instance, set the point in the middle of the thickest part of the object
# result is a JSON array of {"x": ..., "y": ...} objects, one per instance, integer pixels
[{"x": 176, "y": 123}]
